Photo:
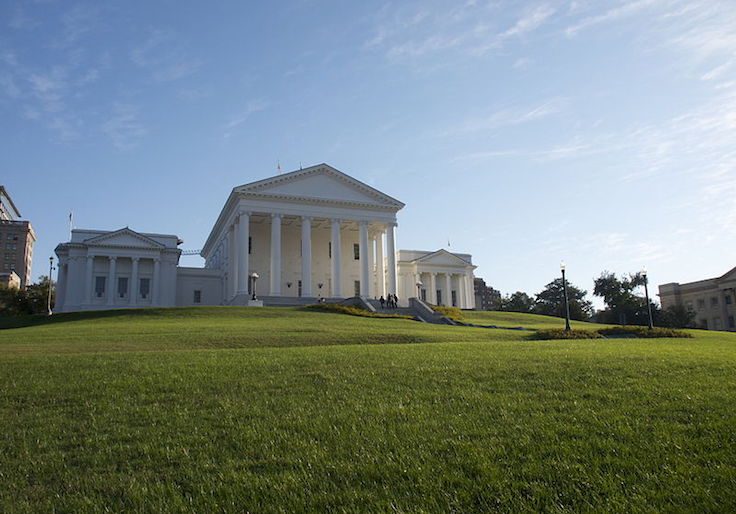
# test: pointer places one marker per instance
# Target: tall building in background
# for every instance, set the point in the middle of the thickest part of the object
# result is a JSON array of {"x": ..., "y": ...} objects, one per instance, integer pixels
[
  {"x": 16, "y": 240},
  {"x": 486, "y": 298}
]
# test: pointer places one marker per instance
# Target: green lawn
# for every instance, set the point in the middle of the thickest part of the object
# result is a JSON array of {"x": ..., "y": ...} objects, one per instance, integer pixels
[{"x": 232, "y": 409}]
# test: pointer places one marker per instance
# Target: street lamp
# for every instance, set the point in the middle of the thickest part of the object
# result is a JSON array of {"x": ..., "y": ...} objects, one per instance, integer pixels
[
  {"x": 567, "y": 303},
  {"x": 646, "y": 296},
  {"x": 419, "y": 290},
  {"x": 254, "y": 277},
  {"x": 48, "y": 300}
]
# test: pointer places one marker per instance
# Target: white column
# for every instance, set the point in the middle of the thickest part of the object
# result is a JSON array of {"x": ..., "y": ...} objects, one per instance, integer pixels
[
  {"x": 111, "y": 280},
  {"x": 432, "y": 297},
  {"x": 234, "y": 258},
  {"x": 61, "y": 280},
  {"x": 461, "y": 297},
  {"x": 306, "y": 256},
  {"x": 243, "y": 261},
  {"x": 275, "y": 255},
  {"x": 364, "y": 275},
  {"x": 134, "y": 282},
  {"x": 469, "y": 290},
  {"x": 448, "y": 290},
  {"x": 381, "y": 266},
  {"x": 89, "y": 279},
  {"x": 336, "y": 260},
  {"x": 156, "y": 281},
  {"x": 371, "y": 266},
  {"x": 391, "y": 257}
]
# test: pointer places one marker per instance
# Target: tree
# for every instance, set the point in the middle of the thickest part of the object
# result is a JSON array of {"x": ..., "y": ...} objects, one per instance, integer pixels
[
  {"x": 623, "y": 306},
  {"x": 32, "y": 300},
  {"x": 551, "y": 301},
  {"x": 677, "y": 316},
  {"x": 517, "y": 302}
]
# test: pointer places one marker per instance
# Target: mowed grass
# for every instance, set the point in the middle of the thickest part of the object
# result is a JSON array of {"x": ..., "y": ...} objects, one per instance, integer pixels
[
  {"x": 269, "y": 410},
  {"x": 515, "y": 319}
]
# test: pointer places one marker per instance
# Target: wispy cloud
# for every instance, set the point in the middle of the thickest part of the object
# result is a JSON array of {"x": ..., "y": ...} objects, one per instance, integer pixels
[
  {"x": 164, "y": 56},
  {"x": 251, "y": 108},
  {"x": 623, "y": 10},
  {"x": 124, "y": 127},
  {"x": 529, "y": 21}
]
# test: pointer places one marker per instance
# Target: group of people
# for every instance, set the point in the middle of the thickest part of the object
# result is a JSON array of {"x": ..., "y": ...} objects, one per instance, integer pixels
[{"x": 389, "y": 303}]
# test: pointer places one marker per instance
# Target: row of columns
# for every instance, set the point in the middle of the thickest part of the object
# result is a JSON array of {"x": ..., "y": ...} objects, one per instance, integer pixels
[
  {"x": 237, "y": 245},
  {"x": 463, "y": 300},
  {"x": 111, "y": 282}
]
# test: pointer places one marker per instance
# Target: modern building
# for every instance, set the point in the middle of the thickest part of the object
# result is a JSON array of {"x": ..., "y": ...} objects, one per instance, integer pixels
[
  {"x": 486, "y": 298},
  {"x": 16, "y": 240},
  {"x": 292, "y": 238},
  {"x": 712, "y": 300}
]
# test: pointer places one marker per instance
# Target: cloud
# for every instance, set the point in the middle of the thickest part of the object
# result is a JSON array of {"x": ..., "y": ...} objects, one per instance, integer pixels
[
  {"x": 124, "y": 127},
  {"x": 163, "y": 55},
  {"x": 623, "y": 10},
  {"x": 529, "y": 21},
  {"x": 253, "y": 107}
]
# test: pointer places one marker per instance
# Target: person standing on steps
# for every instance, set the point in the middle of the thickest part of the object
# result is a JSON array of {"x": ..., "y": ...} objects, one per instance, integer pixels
[
  {"x": 382, "y": 302},
  {"x": 396, "y": 302}
]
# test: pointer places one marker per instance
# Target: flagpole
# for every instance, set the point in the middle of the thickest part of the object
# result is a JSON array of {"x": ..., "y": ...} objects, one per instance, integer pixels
[{"x": 71, "y": 224}]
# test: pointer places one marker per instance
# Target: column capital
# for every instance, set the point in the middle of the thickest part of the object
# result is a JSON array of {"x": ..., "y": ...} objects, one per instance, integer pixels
[
  {"x": 307, "y": 218},
  {"x": 135, "y": 259},
  {"x": 90, "y": 257},
  {"x": 113, "y": 258},
  {"x": 391, "y": 224},
  {"x": 156, "y": 259},
  {"x": 362, "y": 223},
  {"x": 275, "y": 215},
  {"x": 244, "y": 213},
  {"x": 336, "y": 221}
]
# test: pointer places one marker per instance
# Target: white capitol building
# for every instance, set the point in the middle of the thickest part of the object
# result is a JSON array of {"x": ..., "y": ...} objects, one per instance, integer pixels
[{"x": 309, "y": 234}]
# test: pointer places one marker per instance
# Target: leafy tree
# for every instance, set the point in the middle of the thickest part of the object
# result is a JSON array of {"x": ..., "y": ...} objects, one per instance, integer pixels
[
  {"x": 517, "y": 302},
  {"x": 551, "y": 301},
  {"x": 677, "y": 316},
  {"x": 623, "y": 305},
  {"x": 32, "y": 300}
]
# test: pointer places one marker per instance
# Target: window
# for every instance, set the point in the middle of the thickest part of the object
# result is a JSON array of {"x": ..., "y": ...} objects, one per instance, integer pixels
[
  {"x": 716, "y": 323},
  {"x": 123, "y": 287},
  {"x": 703, "y": 323},
  {"x": 439, "y": 297},
  {"x": 145, "y": 287},
  {"x": 689, "y": 305},
  {"x": 356, "y": 287},
  {"x": 197, "y": 296},
  {"x": 731, "y": 322},
  {"x": 701, "y": 303},
  {"x": 299, "y": 288},
  {"x": 454, "y": 298},
  {"x": 356, "y": 251},
  {"x": 714, "y": 301},
  {"x": 424, "y": 295},
  {"x": 329, "y": 249},
  {"x": 728, "y": 299},
  {"x": 250, "y": 245},
  {"x": 100, "y": 286}
]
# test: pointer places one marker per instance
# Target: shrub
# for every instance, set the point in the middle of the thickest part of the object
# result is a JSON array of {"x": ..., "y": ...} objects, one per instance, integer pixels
[
  {"x": 561, "y": 333},
  {"x": 643, "y": 332},
  {"x": 453, "y": 313},
  {"x": 337, "y": 308}
]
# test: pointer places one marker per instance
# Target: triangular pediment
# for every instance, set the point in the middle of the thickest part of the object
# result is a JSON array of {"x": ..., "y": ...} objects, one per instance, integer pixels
[
  {"x": 321, "y": 183},
  {"x": 729, "y": 275},
  {"x": 124, "y": 237},
  {"x": 443, "y": 258}
]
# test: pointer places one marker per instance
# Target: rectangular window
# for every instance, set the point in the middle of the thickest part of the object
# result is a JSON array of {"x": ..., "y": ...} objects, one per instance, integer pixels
[
  {"x": 454, "y": 298},
  {"x": 299, "y": 288},
  {"x": 329, "y": 249},
  {"x": 424, "y": 295},
  {"x": 145, "y": 287},
  {"x": 123, "y": 287},
  {"x": 728, "y": 299},
  {"x": 701, "y": 303},
  {"x": 731, "y": 322},
  {"x": 439, "y": 297},
  {"x": 100, "y": 286},
  {"x": 250, "y": 245},
  {"x": 689, "y": 305},
  {"x": 356, "y": 287},
  {"x": 716, "y": 323},
  {"x": 197, "y": 296},
  {"x": 714, "y": 301},
  {"x": 356, "y": 251}
]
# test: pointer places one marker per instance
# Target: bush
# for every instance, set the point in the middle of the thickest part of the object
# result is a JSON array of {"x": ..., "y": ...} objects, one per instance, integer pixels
[
  {"x": 337, "y": 308},
  {"x": 561, "y": 333},
  {"x": 453, "y": 313},
  {"x": 643, "y": 332}
]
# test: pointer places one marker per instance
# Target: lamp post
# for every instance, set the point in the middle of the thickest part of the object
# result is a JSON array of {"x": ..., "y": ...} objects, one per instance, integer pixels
[
  {"x": 419, "y": 290},
  {"x": 48, "y": 300},
  {"x": 567, "y": 303},
  {"x": 254, "y": 277},
  {"x": 646, "y": 296}
]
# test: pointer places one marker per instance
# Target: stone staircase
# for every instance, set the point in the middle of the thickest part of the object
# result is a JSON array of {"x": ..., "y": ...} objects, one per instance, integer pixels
[{"x": 417, "y": 309}]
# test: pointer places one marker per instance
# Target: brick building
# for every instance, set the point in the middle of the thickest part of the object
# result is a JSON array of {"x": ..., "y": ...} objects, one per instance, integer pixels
[{"x": 16, "y": 240}]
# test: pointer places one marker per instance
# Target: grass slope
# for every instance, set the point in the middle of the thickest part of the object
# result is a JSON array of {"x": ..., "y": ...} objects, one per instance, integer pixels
[{"x": 229, "y": 409}]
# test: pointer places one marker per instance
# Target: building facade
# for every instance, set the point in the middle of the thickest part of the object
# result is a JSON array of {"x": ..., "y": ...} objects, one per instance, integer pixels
[
  {"x": 294, "y": 238},
  {"x": 439, "y": 278},
  {"x": 486, "y": 298},
  {"x": 16, "y": 240},
  {"x": 712, "y": 300},
  {"x": 9, "y": 279}
]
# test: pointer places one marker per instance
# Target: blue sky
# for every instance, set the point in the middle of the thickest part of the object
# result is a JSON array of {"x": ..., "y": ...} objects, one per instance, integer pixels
[{"x": 601, "y": 133}]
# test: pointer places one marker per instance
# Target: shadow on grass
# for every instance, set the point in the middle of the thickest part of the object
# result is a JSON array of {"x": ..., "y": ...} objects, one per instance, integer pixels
[{"x": 35, "y": 320}]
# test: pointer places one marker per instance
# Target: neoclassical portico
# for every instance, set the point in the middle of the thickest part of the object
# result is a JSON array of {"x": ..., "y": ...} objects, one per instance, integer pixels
[
  {"x": 439, "y": 278},
  {"x": 311, "y": 233}
]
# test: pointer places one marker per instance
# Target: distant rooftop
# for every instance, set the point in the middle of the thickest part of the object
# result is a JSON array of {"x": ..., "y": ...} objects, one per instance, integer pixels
[{"x": 8, "y": 210}]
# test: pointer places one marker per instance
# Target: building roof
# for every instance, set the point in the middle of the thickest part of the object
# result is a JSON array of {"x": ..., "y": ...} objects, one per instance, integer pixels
[{"x": 4, "y": 194}]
